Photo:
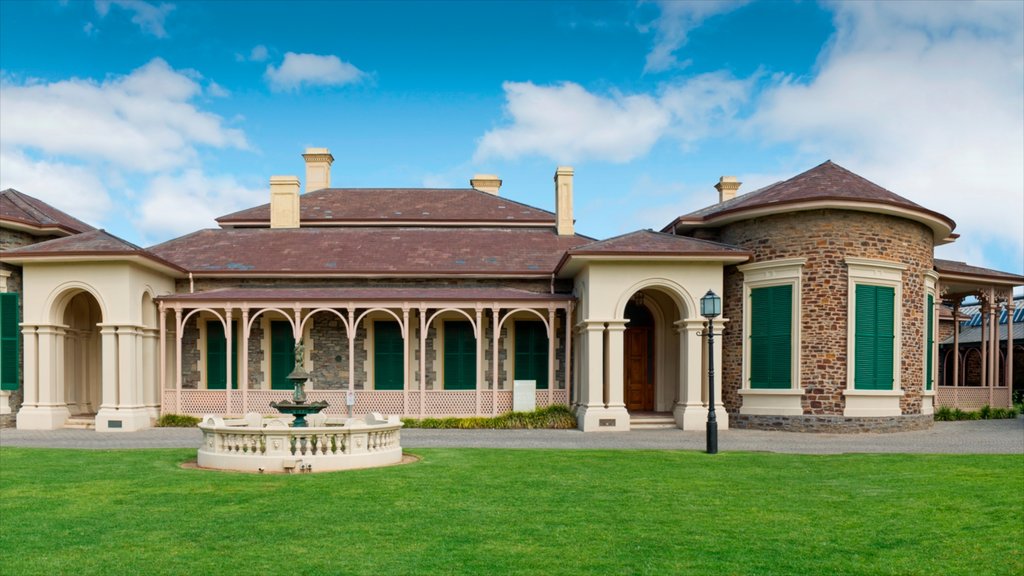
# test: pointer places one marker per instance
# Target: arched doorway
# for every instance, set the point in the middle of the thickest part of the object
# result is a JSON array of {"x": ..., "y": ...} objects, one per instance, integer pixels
[
  {"x": 82, "y": 355},
  {"x": 640, "y": 357}
]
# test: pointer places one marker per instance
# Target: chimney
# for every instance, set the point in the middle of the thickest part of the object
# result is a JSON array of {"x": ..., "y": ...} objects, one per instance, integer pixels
[
  {"x": 284, "y": 201},
  {"x": 489, "y": 183},
  {"x": 563, "y": 200},
  {"x": 727, "y": 187},
  {"x": 318, "y": 168}
]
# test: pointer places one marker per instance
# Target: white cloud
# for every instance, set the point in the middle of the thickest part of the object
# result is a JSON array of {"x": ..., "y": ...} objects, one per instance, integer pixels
[
  {"x": 926, "y": 100},
  {"x": 148, "y": 16},
  {"x": 298, "y": 70},
  {"x": 258, "y": 53},
  {"x": 567, "y": 123},
  {"x": 76, "y": 190},
  {"x": 672, "y": 26},
  {"x": 176, "y": 204},
  {"x": 144, "y": 121}
]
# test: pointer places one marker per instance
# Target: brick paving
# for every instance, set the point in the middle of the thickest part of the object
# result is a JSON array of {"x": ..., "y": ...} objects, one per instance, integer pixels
[{"x": 975, "y": 437}]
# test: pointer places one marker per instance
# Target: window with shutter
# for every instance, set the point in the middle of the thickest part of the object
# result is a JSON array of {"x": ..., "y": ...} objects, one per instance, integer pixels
[
  {"x": 874, "y": 337},
  {"x": 459, "y": 356},
  {"x": 216, "y": 348},
  {"x": 10, "y": 341},
  {"x": 771, "y": 337},
  {"x": 282, "y": 355},
  {"x": 929, "y": 379},
  {"x": 532, "y": 353},
  {"x": 388, "y": 355}
]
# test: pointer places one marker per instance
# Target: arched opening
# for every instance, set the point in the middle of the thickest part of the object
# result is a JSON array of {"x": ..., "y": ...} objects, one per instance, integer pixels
[
  {"x": 651, "y": 362},
  {"x": 640, "y": 357},
  {"x": 82, "y": 355}
]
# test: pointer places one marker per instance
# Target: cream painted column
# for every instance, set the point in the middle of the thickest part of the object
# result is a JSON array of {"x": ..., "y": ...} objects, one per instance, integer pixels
[
  {"x": 178, "y": 329},
  {"x": 594, "y": 414},
  {"x": 243, "y": 364},
  {"x": 228, "y": 338},
  {"x": 1009, "y": 348},
  {"x": 479, "y": 354},
  {"x": 690, "y": 410},
  {"x": 568, "y": 355},
  {"x": 406, "y": 338},
  {"x": 423, "y": 356},
  {"x": 551, "y": 353},
  {"x": 351, "y": 333},
  {"x": 720, "y": 414},
  {"x": 495, "y": 334},
  {"x": 582, "y": 392},
  {"x": 616, "y": 369},
  {"x": 42, "y": 409},
  {"x": 151, "y": 391},
  {"x": 162, "y": 377},
  {"x": 127, "y": 363},
  {"x": 30, "y": 372}
]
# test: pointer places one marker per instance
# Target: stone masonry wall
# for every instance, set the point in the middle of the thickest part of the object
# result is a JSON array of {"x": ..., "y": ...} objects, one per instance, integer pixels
[
  {"x": 328, "y": 352},
  {"x": 10, "y": 239},
  {"x": 190, "y": 375},
  {"x": 826, "y": 238}
]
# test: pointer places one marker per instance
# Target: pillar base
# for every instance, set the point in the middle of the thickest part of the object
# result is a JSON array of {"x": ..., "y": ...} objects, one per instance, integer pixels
[
  {"x": 928, "y": 402},
  {"x": 123, "y": 419},
  {"x": 602, "y": 419},
  {"x": 42, "y": 417},
  {"x": 694, "y": 417},
  {"x": 5, "y": 402}
]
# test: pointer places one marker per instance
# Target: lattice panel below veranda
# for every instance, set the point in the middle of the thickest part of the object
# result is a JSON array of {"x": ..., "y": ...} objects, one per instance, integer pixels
[
  {"x": 450, "y": 403},
  {"x": 200, "y": 402},
  {"x": 972, "y": 397}
]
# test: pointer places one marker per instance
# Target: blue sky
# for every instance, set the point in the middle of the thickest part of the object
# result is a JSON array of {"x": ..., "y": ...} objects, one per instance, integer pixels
[{"x": 152, "y": 118}]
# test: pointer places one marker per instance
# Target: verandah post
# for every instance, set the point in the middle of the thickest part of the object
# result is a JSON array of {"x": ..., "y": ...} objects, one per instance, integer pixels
[
  {"x": 495, "y": 332},
  {"x": 405, "y": 358},
  {"x": 551, "y": 352},
  {"x": 243, "y": 368},
  {"x": 479, "y": 354}
]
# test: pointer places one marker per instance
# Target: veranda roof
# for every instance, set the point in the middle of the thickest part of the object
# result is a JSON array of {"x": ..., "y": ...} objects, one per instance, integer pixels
[{"x": 411, "y": 295}]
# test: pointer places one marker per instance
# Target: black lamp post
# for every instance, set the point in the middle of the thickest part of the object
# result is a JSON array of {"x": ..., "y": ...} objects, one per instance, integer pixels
[{"x": 710, "y": 307}]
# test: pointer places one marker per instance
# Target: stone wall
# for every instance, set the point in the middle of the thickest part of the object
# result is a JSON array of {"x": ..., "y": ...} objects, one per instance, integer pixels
[
  {"x": 826, "y": 238},
  {"x": 10, "y": 239},
  {"x": 831, "y": 424},
  {"x": 190, "y": 374},
  {"x": 328, "y": 352}
]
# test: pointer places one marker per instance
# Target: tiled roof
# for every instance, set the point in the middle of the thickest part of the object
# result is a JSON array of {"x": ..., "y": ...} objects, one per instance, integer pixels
[
  {"x": 648, "y": 242},
  {"x": 424, "y": 251},
  {"x": 92, "y": 243},
  {"x": 24, "y": 209},
  {"x": 383, "y": 205},
  {"x": 964, "y": 269},
  {"x": 825, "y": 182},
  {"x": 384, "y": 294}
]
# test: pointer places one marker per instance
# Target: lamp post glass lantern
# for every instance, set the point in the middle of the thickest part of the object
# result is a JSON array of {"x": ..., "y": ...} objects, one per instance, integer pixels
[{"x": 710, "y": 308}]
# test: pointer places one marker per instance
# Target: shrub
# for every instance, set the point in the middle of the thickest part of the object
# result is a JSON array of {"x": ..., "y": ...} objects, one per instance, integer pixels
[
  {"x": 986, "y": 413},
  {"x": 552, "y": 417},
  {"x": 177, "y": 421},
  {"x": 944, "y": 414}
]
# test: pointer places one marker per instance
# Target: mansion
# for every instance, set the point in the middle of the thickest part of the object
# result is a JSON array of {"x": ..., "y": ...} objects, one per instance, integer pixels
[{"x": 438, "y": 302}]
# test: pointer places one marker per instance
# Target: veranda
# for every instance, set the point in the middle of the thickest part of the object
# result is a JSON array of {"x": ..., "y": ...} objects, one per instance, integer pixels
[{"x": 424, "y": 353}]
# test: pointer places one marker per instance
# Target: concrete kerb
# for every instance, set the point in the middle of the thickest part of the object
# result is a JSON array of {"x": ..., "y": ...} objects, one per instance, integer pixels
[{"x": 971, "y": 437}]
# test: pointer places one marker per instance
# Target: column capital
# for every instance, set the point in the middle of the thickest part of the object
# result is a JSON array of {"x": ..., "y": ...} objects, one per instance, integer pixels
[{"x": 617, "y": 325}]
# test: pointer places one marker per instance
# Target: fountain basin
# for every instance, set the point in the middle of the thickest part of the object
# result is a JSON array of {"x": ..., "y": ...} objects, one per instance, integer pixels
[{"x": 258, "y": 444}]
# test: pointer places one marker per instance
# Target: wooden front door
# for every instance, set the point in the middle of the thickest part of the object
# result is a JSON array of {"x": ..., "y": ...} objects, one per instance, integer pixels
[{"x": 639, "y": 379}]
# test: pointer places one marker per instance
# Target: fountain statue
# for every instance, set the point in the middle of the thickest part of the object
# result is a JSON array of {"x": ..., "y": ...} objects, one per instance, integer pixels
[{"x": 298, "y": 407}]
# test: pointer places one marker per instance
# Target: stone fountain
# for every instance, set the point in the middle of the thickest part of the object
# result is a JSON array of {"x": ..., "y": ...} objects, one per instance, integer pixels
[{"x": 272, "y": 444}]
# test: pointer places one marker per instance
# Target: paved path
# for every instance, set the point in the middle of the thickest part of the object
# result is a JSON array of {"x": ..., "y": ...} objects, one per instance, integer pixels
[{"x": 976, "y": 437}]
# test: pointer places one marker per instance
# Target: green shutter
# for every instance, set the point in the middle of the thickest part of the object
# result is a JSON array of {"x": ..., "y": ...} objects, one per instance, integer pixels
[
  {"x": 10, "y": 340},
  {"x": 388, "y": 356},
  {"x": 929, "y": 378},
  {"x": 459, "y": 356},
  {"x": 282, "y": 355},
  {"x": 531, "y": 353},
  {"x": 874, "y": 337},
  {"x": 216, "y": 346},
  {"x": 771, "y": 337}
]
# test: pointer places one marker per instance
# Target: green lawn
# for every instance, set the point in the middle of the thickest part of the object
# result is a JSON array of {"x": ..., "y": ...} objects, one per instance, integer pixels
[{"x": 515, "y": 512}]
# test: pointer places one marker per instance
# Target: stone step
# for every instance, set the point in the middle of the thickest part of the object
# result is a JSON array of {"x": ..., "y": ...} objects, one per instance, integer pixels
[
  {"x": 652, "y": 422},
  {"x": 80, "y": 423}
]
